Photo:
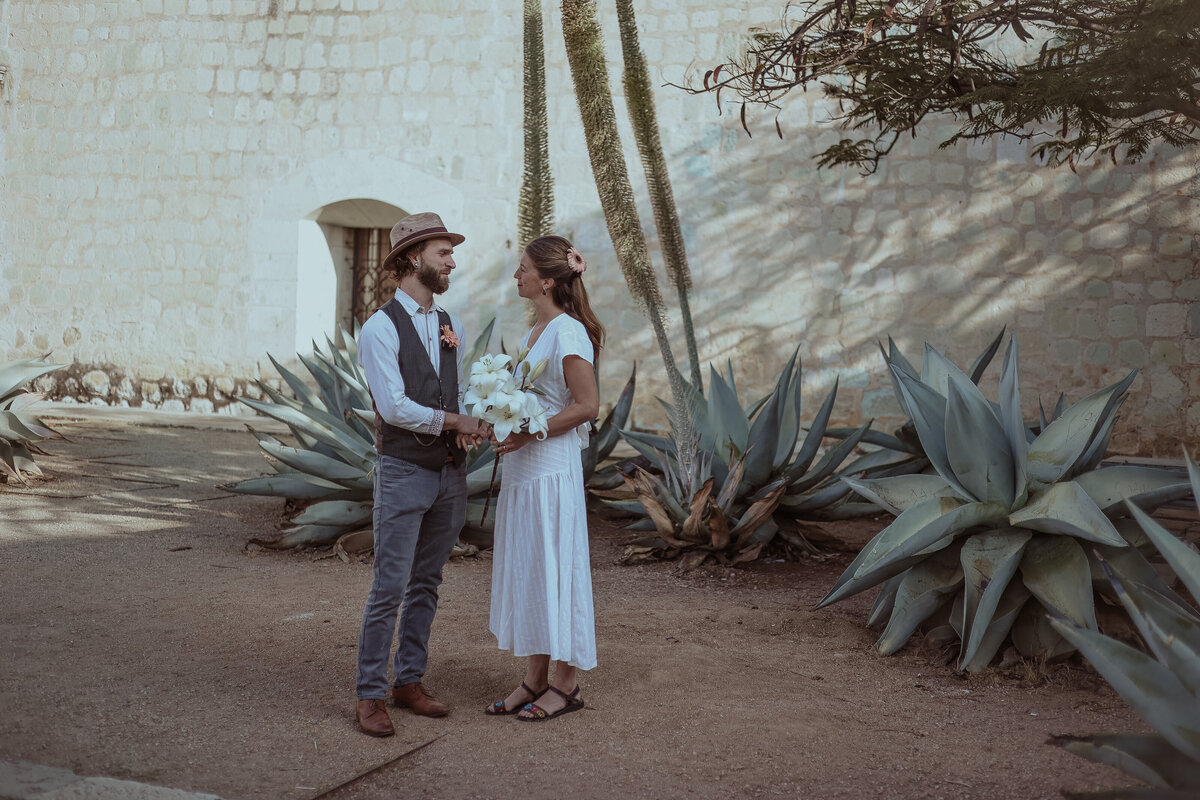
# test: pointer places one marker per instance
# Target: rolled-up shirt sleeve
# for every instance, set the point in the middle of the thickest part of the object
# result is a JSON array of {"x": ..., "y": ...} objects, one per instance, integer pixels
[{"x": 379, "y": 355}]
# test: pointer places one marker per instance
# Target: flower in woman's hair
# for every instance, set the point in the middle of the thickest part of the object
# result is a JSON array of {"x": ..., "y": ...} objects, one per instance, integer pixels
[
  {"x": 575, "y": 261},
  {"x": 449, "y": 337}
]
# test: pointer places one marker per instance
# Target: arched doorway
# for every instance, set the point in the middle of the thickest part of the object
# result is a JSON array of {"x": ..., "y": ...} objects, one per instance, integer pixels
[{"x": 340, "y": 246}]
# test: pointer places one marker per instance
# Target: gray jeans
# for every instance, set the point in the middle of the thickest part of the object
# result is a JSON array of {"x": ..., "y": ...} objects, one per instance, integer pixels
[{"x": 418, "y": 515}]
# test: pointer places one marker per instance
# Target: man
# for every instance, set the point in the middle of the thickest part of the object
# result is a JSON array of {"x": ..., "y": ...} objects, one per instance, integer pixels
[{"x": 411, "y": 353}]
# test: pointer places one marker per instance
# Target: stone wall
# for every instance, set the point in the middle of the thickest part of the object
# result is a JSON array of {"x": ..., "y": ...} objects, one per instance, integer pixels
[{"x": 158, "y": 156}]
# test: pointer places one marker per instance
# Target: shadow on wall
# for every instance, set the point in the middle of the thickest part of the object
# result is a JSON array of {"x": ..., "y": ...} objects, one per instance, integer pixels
[{"x": 1087, "y": 269}]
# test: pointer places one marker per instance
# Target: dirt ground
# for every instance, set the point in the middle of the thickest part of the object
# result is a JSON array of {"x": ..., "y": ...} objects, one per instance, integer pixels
[{"x": 139, "y": 639}]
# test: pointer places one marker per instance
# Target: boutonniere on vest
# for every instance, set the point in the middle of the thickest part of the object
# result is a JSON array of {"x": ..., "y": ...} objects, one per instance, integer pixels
[{"x": 449, "y": 337}]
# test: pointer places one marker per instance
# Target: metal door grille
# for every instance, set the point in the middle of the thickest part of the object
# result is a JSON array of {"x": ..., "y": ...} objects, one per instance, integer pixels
[{"x": 372, "y": 288}]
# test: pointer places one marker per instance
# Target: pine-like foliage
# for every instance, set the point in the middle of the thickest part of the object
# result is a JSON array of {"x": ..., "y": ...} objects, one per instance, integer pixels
[
  {"x": 640, "y": 98},
  {"x": 1079, "y": 77},
  {"x": 535, "y": 212},
  {"x": 589, "y": 72}
]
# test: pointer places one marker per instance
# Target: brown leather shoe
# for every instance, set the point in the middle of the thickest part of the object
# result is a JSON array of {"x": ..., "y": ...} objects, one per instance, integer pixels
[
  {"x": 418, "y": 698},
  {"x": 373, "y": 718}
]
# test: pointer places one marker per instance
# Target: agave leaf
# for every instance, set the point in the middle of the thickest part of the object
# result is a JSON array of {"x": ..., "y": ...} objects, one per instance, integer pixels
[
  {"x": 1184, "y": 560},
  {"x": 479, "y": 346},
  {"x": 1151, "y": 688},
  {"x": 938, "y": 372},
  {"x": 989, "y": 561},
  {"x": 729, "y": 490},
  {"x": 901, "y": 492},
  {"x": 1148, "y": 487},
  {"x": 16, "y": 374},
  {"x": 609, "y": 433},
  {"x": 651, "y": 446},
  {"x": 789, "y": 421},
  {"x": 1171, "y": 631},
  {"x": 1055, "y": 569},
  {"x": 923, "y": 590},
  {"x": 1013, "y": 422},
  {"x": 818, "y": 499},
  {"x": 1132, "y": 565},
  {"x": 1063, "y": 441},
  {"x": 828, "y": 463},
  {"x": 757, "y": 515},
  {"x": 303, "y": 536},
  {"x": 13, "y": 429},
  {"x": 1033, "y": 637},
  {"x": 693, "y": 530},
  {"x": 303, "y": 393},
  {"x": 335, "y": 513},
  {"x": 764, "y": 431},
  {"x": 977, "y": 447},
  {"x": 1146, "y": 757},
  {"x": 313, "y": 463},
  {"x": 926, "y": 528},
  {"x": 893, "y": 356},
  {"x": 927, "y": 410},
  {"x": 1064, "y": 508},
  {"x": 885, "y": 601},
  {"x": 340, "y": 440},
  {"x": 326, "y": 383},
  {"x": 478, "y": 480},
  {"x": 294, "y": 484},
  {"x": 980, "y": 364},
  {"x": 878, "y": 438},
  {"x": 730, "y": 428},
  {"x": 1090, "y": 458},
  {"x": 650, "y": 501},
  {"x": 880, "y": 463},
  {"x": 816, "y": 432}
]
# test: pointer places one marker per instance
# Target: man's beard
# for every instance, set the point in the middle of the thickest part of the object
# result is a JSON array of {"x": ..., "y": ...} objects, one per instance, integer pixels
[{"x": 432, "y": 279}]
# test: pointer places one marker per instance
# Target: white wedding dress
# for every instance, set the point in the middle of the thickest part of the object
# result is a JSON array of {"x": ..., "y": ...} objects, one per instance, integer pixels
[{"x": 541, "y": 572}]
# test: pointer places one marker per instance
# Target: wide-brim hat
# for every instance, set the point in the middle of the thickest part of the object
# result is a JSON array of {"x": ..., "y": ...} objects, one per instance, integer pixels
[{"x": 417, "y": 228}]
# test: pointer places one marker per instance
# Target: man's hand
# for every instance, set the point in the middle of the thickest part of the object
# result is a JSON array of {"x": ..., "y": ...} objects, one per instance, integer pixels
[
  {"x": 464, "y": 424},
  {"x": 467, "y": 441}
]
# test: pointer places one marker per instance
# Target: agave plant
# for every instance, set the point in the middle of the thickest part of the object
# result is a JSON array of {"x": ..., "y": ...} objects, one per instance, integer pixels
[
  {"x": 1007, "y": 527},
  {"x": 752, "y": 481},
  {"x": 604, "y": 440},
  {"x": 20, "y": 429},
  {"x": 331, "y": 465},
  {"x": 1163, "y": 686},
  {"x": 904, "y": 444}
]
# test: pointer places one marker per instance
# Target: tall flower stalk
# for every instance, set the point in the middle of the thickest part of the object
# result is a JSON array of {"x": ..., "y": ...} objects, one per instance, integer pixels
[
  {"x": 640, "y": 98},
  {"x": 535, "y": 211},
  {"x": 589, "y": 72}
]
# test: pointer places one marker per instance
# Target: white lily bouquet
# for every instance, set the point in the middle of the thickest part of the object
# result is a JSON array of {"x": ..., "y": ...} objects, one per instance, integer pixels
[{"x": 505, "y": 401}]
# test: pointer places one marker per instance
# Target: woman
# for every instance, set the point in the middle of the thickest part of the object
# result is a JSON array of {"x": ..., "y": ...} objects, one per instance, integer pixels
[{"x": 541, "y": 573}]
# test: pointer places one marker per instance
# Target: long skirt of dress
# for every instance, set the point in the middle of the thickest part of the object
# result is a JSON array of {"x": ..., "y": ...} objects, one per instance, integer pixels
[{"x": 541, "y": 572}]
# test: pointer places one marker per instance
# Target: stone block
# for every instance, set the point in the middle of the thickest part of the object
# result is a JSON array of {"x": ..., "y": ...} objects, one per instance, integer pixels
[
  {"x": 151, "y": 393},
  {"x": 1131, "y": 353},
  {"x": 173, "y": 404},
  {"x": 880, "y": 403},
  {"x": 202, "y": 405},
  {"x": 1166, "y": 319},
  {"x": 1096, "y": 288},
  {"x": 1193, "y": 320},
  {"x": 1174, "y": 244},
  {"x": 1122, "y": 321},
  {"x": 1087, "y": 324},
  {"x": 1167, "y": 353},
  {"x": 1109, "y": 235},
  {"x": 201, "y": 386},
  {"x": 1098, "y": 353},
  {"x": 181, "y": 388},
  {"x": 96, "y": 382},
  {"x": 125, "y": 391},
  {"x": 1067, "y": 352},
  {"x": 1160, "y": 290}
]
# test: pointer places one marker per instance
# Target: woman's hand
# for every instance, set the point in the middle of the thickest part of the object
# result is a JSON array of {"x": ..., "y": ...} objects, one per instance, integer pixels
[{"x": 514, "y": 441}]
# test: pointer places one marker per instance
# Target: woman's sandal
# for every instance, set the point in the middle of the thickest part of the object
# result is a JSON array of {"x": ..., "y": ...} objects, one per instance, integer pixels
[
  {"x": 574, "y": 703},
  {"x": 497, "y": 708}
]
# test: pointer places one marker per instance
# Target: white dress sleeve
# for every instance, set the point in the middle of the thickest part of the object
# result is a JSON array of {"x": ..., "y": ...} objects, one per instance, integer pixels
[{"x": 573, "y": 341}]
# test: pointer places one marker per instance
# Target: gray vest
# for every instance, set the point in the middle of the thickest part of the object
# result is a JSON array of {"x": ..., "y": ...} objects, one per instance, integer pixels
[{"x": 425, "y": 386}]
